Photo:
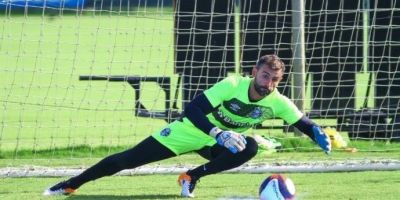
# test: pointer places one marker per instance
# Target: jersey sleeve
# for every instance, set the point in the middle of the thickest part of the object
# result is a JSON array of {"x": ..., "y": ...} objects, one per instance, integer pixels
[
  {"x": 221, "y": 90},
  {"x": 288, "y": 111}
]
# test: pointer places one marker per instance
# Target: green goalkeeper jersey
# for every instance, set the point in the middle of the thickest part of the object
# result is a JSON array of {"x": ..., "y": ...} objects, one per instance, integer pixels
[{"x": 236, "y": 112}]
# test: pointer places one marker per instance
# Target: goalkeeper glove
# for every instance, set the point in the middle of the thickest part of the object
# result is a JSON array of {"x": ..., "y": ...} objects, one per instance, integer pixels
[
  {"x": 233, "y": 141},
  {"x": 322, "y": 139}
]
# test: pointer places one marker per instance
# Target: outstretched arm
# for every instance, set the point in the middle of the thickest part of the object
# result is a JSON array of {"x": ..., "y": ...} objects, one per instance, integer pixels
[
  {"x": 196, "y": 112},
  {"x": 315, "y": 132}
]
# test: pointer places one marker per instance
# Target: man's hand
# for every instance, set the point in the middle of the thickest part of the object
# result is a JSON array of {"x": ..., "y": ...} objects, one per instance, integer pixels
[
  {"x": 233, "y": 141},
  {"x": 322, "y": 139}
]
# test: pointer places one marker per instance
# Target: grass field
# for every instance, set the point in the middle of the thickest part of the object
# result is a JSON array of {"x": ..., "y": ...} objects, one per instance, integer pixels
[
  {"x": 315, "y": 186},
  {"x": 50, "y": 118},
  {"x": 45, "y": 105}
]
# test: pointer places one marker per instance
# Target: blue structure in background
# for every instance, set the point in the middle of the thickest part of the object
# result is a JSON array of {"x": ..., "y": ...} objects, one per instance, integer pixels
[
  {"x": 60, "y": 4},
  {"x": 79, "y": 4},
  {"x": 131, "y": 3}
]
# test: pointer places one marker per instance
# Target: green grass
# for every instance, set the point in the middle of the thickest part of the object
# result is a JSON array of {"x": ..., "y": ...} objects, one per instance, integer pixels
[
  {"x": 45, "y": 105},
  {"x": 50, "y": 118},
  {"x": 310, "y": 186}
]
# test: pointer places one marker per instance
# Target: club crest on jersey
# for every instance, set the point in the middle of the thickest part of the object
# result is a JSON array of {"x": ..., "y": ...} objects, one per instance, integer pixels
[
  {"x": 165, "y": 132},
  {"x": 256, "y": 113},
  {"x": 234, "y": 106}
]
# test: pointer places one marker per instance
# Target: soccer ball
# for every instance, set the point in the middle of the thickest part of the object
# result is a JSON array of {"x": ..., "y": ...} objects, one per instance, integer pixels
[{"x": 277, "y": 187}]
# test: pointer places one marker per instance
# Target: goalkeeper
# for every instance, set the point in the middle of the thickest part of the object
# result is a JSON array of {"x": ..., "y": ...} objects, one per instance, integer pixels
[{"x": 211, "y": 125}]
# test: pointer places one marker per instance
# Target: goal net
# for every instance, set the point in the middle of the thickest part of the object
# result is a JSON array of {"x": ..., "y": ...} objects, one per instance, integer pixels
[{"x": 82, "y": 79}]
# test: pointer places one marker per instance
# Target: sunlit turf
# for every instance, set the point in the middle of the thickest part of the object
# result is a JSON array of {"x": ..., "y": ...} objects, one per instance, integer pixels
[
  {"x": 50, "y": 118},
  {"x": 310, "y": 186}
]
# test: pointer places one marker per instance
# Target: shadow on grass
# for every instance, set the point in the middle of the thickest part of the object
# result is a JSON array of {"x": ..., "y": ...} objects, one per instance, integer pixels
[{"x": 119, "y": 197}]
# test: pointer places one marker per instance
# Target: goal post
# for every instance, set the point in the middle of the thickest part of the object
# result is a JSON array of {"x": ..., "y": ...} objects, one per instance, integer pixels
[{"x": 84, "y": 79}]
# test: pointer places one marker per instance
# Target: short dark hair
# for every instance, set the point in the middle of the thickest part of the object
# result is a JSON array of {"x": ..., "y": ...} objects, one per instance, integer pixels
[{"x": 272, "y": 61}]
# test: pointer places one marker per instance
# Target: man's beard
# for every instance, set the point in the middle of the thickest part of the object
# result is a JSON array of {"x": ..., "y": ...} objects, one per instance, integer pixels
[{"x": 262, "y": 91}]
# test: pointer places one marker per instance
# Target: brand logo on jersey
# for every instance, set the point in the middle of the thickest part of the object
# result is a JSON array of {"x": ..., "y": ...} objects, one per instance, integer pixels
[
  {"x": 228, "y": 122},
  {"x": 165, "y": 132},
  {"x": 256, "y": 113},
  {"x": 234, "y": 106},
  {"x": 261, "y": 113}
]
